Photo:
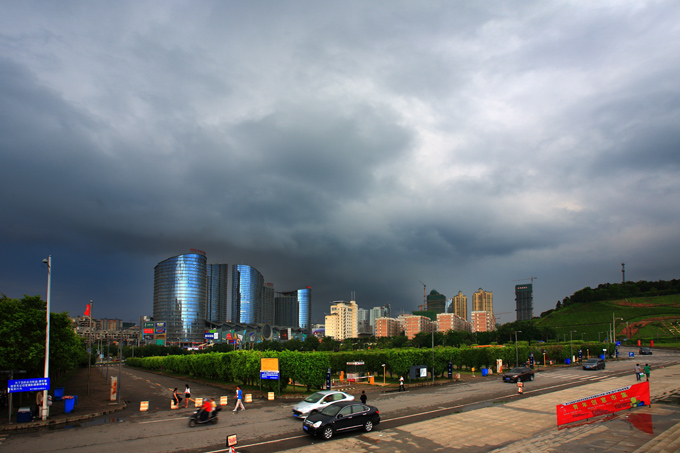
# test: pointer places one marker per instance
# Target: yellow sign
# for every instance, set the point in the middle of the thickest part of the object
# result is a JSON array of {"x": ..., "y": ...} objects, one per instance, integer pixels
[{"x": 269, "y": 364}]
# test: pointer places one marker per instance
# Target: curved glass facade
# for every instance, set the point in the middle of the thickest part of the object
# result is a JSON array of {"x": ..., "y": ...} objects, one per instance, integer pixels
[
  {"x": 179, "y": 297},
  {"x": 247, "y": 293},
  {"x": 305, "y": 308}
]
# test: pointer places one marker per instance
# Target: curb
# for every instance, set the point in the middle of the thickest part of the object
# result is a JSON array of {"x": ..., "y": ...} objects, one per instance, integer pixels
[{"x": 59, "y": 421}]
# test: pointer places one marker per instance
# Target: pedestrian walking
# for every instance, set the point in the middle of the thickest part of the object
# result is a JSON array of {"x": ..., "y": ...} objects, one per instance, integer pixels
[
  {"x": 638, "y": 371},
  {"x": 176, "y": 399},
  {"x": 187, "y": 395},
  {"x": 239, "y": 399},
  {"x": 401, "y": 384},
  {"x": 648, "y": 371},
  {"x": 363, "y": 397}
]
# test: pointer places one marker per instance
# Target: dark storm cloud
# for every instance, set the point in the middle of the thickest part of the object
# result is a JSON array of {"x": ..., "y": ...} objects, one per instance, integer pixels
[{"x": 362, "y": 147}]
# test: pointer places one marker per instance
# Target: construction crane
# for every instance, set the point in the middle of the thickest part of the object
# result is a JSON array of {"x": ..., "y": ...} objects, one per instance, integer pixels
[
  {"x": 530, "y": 278},
  {"x": 424, "y": 304}
]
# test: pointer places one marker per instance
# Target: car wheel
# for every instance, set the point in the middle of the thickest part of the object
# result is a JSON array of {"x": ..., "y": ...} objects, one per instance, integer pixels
[
  {"x": 531, "y": 378},
  {"x": 327, "y": 432},
  {"x": 368, "y": 426}
]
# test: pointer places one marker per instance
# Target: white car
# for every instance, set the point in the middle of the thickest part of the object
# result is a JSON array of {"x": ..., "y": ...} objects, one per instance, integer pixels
[{"x": 319, "y": 400}]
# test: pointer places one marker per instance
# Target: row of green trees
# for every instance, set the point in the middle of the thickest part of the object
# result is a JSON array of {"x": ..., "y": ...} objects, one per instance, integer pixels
[
  {"x": 309, "y": 368},
  {"x": 22, "y": 329}
]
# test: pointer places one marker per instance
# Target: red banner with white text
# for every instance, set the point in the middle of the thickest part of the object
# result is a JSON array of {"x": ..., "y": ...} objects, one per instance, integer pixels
[{"x": 605, "y": 403}]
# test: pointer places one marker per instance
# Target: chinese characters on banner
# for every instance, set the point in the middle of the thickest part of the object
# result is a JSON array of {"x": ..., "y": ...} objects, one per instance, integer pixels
[{"x": 604, "y": 403}]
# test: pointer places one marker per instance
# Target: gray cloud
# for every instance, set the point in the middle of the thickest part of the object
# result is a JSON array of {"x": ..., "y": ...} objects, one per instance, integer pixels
[{"x": 351, "y": 147}]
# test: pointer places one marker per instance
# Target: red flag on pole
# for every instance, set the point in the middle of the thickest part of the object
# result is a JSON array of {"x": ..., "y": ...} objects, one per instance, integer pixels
[{"x": 87, "y": 310}]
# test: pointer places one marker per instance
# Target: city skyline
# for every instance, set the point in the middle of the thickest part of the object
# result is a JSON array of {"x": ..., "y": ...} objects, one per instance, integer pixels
[{"x": 366, "y": 148}]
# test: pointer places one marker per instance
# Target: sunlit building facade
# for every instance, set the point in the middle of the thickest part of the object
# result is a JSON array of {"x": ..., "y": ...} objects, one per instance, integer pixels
[
  {"x": 179, "y": 298},
  {"x": 247, "y": 293},
  {"x": 305, "y": 309},
  {"x": 459, "y": 305}
]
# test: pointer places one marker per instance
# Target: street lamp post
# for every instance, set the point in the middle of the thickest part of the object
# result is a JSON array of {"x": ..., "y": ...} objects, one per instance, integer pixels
[
  {"x": 48, "y": 261},
  {"x": 571, "y": 349},
  {"x": 516, "y": 350},
  {"x": 383, "y": 365}
]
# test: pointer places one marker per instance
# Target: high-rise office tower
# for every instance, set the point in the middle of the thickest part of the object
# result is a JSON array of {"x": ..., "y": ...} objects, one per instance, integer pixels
[
  {"x": 379, "y": 312},
  {"x": 265, "y": 312},
  {"x": 305, "y": 309},
  {"x": 179, "y": 298},
  {"x": 247, "y": 293},
  {"x": 460, "y": 305},
  {"x": 524, "y": 300},
  {"x": 286, "y": 309},
  {"x": 218, "y": 296}
]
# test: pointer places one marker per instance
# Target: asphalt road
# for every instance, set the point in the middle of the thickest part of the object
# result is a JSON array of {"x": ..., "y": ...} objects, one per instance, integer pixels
[{"x": 268, "y": 426}]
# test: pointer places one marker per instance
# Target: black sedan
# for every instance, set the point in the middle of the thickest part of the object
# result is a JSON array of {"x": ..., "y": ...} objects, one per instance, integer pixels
[
  {"x": 340, "y": 417},
  {"x": 593, "y": 364},
  {"x": 645, "y": 351},
  {"x": 520, "y": 373}
]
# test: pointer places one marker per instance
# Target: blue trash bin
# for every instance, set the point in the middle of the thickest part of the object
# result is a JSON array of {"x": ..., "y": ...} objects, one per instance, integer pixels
[
  {"x": 69, "y": 403},
  {"x": 485, "y": 371},
  {"x": 567, "y": 361},
  {"x": 58, "y": 393}
]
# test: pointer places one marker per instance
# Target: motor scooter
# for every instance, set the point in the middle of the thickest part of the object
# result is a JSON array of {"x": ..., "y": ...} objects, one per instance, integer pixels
[{"x": 195, "y": 418}]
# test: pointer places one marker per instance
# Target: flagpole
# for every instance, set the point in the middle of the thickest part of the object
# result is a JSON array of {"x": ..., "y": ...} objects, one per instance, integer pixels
[{"x": 89, "y": 348}]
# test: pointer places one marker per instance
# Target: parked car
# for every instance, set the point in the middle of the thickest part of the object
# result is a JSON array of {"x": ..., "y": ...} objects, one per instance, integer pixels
[
  {"x": 340, "y": 417},
  {"x": 521, "y": 373},
  {"x": 593, "y": 364},
  {"x": 319, "y": 400},
  {"x": 645, "y": 351}
]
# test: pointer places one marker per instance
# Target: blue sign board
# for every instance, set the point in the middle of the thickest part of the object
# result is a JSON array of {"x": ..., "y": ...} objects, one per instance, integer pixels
[
  {"x": 210, "y": 336},
  {"x": 618, "y": 343},
  {"x": 273, "y": 375},
  {"x": 631, "y": 354},
  {"x": 28, "y": 385}
]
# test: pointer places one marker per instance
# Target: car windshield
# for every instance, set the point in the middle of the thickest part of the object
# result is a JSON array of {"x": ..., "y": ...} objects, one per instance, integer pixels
[
  {"x": 517, "y": 370},
  {"x": 331, "y": 410},
  {"x": 314, "y": 397}
]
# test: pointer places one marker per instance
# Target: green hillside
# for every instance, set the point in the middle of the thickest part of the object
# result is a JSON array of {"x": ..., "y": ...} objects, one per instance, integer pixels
[{"x": 639, "y": 318}]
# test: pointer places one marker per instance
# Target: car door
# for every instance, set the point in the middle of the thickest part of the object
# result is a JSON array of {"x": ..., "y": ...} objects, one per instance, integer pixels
[{"x": 345, "y": 419}]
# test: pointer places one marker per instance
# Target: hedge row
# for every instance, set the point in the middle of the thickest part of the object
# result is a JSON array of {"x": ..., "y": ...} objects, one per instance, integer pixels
[{"x": 309, "y": 368}]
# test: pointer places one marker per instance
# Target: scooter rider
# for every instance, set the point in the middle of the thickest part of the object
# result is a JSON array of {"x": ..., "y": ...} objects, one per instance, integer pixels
[{"x": 206, "y": 409}]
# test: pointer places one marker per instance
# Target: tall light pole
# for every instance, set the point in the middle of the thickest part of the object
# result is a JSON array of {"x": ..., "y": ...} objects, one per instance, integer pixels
[
  {"x": 516, "y": 350},
  {"x": 571, "y": 349},
  {"x": 48, "y": 261},
  {"x": 614, "y": 328},
  {"x": 89, "y": 348}
]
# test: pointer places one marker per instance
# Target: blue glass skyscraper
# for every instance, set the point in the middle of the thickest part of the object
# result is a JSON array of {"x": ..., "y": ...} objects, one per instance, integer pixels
[
  {"x": 247, "y": 293},
  {"x": 305, "y": 309},
  {"x": 179, "y": 297}
]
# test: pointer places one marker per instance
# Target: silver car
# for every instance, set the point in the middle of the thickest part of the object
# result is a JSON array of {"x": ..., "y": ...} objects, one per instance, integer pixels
[{"x": 319, "y": 400}]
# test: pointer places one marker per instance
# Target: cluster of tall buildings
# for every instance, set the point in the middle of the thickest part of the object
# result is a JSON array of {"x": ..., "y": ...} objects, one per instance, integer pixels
[{"x": 190, "y": 294}]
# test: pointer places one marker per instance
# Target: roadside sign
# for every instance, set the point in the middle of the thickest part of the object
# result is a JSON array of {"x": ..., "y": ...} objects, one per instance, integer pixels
[
  {"x": 273, "y": 375},
  {"x": 28, "y": 385}
]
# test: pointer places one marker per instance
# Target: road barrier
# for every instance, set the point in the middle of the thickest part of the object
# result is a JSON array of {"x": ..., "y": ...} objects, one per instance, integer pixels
[
  {"x": 223, "y": 401},
  {"x": 198, "y": 402},
  {"x": 249, "y": 398},
  {"x": 270, "y": 396},
  {"x": 143, "y": 406}
]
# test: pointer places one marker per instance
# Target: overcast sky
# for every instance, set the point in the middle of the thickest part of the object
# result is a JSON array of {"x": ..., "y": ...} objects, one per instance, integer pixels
[{"x": 362, "y": 146}]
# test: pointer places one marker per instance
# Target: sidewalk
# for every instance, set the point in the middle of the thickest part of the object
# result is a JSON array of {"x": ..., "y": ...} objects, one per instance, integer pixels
[
  {"x": 528, "y": 423},
  {"x": 89, "y": 406}
]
